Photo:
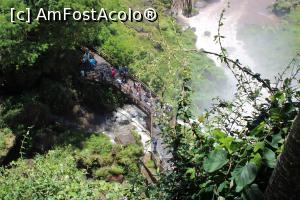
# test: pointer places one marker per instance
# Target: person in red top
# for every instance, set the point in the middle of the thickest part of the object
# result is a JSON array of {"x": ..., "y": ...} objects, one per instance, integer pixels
[{"x": 113, "y": 73}]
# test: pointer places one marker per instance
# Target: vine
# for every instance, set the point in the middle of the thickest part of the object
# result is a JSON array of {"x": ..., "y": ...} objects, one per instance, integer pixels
[
  {"x": 24, "y": 142},
  {"x": 231, "y": 151}
]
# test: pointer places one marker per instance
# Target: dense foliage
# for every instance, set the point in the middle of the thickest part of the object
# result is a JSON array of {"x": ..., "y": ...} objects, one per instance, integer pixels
[
  {"x": 62, "y": 173},
  {"x": 23, "y": 44},
  {"x": 156, "y": 52},
  {"x": 7, "y": 140},
  {"x": 227, "y": 153},
  {"x": 283, "y": 7},
  {"x": 231, "y": 151}
]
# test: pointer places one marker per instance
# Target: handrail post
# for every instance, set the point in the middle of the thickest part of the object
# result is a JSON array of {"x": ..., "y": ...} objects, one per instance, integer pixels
[{"x": 151, "y": 124}]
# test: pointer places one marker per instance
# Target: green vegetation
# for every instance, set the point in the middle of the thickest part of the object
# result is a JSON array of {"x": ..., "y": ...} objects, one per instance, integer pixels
[
  {"x": 228, "y": 154},
  {"x": 225, "y": 154},
  {"x": 62, "y": 173},
  {"x": 156, "y": 52},
  {"x": 36, "y": 39},
  {"x": 283, "y": 7},
  {"x": 103, "y": 159},
  {"x": 292, "y": 26},
  {"x": 7, "y": 140},
  {"x": 54, "y": 176}
]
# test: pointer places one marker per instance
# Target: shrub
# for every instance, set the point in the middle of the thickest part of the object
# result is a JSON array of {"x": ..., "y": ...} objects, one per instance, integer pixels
[
  {"x": 116, "y": 170},
  {"x": 106, "y": 160},
  {"x": 128, "y": 158},
  {"x": 102, "y": 172},
  {"x": 100, "y": 144},
  {"x": 60, "y": 98},
  {"x": 53, "y": 176},
  {"x": 137, "y": 138},
  {"x": 7, "y": 140}
]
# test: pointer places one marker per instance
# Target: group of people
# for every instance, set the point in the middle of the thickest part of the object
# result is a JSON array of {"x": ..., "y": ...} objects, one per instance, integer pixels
[
  {"x": 122, "y": 71},
  {"x": 88, "y": 61},
  {"x": 138, "y": 88},
  {"x": 120, "y": 75}
]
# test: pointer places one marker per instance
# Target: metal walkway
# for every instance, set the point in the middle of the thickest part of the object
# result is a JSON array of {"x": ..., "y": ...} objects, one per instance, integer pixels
[{"x": 143, "y": 98}]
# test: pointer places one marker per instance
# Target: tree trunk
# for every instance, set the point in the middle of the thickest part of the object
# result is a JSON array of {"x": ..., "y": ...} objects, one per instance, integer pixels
[{"x": 285, "y": 181}]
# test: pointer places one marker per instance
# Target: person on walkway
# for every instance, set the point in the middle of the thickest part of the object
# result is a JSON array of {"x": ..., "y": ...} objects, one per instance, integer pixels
[
  {"x": 93, "y": 62},
  {"x": 125, "y": 75},
  {"x": 122, "y": 73},
  {"x": 88, "y": 59},
  {"x": 148, "y": 99},
  {"x": 82, "y": 73},
  {"x": 149, "y": 96},
  {"x": 135, "y": 85},
  {"x": 126, "y": 88},
  {"x": 107, "y": 72},
  {"x": 113, "y": 73},
  {"x": 102, "y": 74},
  {"x": 131, "y": 89},
  {"x": 139, "y": 88},
  {"x": 86, "y": 55},
  {"x": 121, "y": 70},
  {"x": 119, "y": 81},
  {"x": 154, "y": 142}
]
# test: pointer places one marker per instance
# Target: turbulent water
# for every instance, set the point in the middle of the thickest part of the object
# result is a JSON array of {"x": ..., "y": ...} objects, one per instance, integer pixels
[{"x": 250, "y": 30}]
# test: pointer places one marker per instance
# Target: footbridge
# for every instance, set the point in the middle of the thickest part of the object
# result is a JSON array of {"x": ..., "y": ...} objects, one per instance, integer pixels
[{"x": 143, "y": 97}]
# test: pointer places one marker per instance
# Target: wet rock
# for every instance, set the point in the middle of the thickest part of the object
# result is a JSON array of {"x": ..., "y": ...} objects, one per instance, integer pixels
[
  {"x": 207, "y": 33},
  {"x": 125, "y": 139},
  {"x": 133, "y": 112},
  {"x": 200, "y": 4},
  {"x": 193, "y": 29},
  {"x": 122, "y": 119}
]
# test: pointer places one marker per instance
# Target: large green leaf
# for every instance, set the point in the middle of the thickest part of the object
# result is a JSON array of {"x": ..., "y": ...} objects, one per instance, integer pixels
[
  {"x": 275, "y": 114},
  {"x": 270, "y": 158},
  {"x": 226, "y": 142},
  {"x": 257, "y": 159},
  {"x": 244, "y": 176},
  {"x": 276, "y": 139},
  {"x": 219, "y": 134},
  {"x": 259, "y": 130},
  {"x": 258, "y": 146},
  {"x": 216, "y": 160},
  {"x": 191, "y": 172}
]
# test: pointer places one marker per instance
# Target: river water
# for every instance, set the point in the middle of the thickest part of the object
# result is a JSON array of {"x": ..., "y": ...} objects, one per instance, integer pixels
[
  {"x": 246, "y": 28},
  {"x": 238, "y": 15}
]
